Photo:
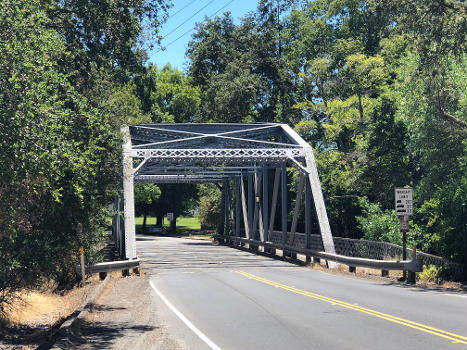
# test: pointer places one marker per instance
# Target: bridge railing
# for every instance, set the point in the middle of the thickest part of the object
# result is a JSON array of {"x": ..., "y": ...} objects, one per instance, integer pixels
[{"x": 366, "y": 253}]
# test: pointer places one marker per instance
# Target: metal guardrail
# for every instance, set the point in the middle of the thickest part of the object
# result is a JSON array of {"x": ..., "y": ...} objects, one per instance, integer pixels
[
  {"x": 109, "y": 266},
  {"x": 414, "y": 265},
  {"x": 365, "y": 249}
]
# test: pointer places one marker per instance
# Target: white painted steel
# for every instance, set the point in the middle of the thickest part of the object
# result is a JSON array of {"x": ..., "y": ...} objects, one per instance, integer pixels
[{"x": 128, "y": 196}]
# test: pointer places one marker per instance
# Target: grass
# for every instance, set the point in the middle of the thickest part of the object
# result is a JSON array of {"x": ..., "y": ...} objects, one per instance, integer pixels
[{"x": 183, "y": 223}]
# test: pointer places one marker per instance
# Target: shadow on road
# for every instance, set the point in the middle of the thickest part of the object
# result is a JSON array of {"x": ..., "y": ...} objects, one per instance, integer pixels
[{"x": 198, "y": 243}]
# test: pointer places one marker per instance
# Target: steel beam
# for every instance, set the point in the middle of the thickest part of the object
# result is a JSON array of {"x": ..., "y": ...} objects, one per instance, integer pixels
[
  {"x": 298, "y": 202},
  {"x": 128, "y": 196},
  {"x": 265, "y": 208},
  {"x": 237, "y": 206},
  {"x": 284, "y": 212},
  {"x": 275, "y": 192},
  {"x": 308, "y": 209},
  {"x": 250, "y": 205},
  {"x": 320, "y": 207},
  {"x": 245, "y": 212},
  {"x": 258, "y": 218}
]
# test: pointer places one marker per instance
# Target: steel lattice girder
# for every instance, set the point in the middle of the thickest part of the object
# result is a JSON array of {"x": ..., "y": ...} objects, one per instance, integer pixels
[
  {"x": 213, "y": 153},
  {"x": 219, "y": 144}
]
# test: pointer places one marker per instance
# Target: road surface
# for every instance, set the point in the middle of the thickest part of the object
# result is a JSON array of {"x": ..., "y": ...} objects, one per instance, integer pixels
[
  {"x": 239, "y": 300},
  {"x": 196, "y": 295}
]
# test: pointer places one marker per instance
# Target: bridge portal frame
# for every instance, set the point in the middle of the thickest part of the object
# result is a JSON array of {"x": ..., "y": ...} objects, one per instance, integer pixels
[{"x": 228, "y": 154}]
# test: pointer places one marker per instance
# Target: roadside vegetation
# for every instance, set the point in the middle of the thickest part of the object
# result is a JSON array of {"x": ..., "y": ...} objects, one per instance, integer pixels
[{"x": 377, "y": 87}]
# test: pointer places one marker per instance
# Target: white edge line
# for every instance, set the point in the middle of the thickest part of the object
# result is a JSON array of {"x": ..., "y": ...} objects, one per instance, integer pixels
[{"x": 190, "y": 325}]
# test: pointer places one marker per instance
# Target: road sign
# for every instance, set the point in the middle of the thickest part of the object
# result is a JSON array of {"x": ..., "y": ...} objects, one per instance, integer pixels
[
  {"x": 170, "y": 216},
  {"x": 404, "y": 223},
  {"x": 403, "y": 201}
]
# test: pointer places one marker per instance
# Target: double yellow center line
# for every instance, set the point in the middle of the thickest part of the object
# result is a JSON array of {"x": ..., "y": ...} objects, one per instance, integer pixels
[{"x": 455, "y": 338}]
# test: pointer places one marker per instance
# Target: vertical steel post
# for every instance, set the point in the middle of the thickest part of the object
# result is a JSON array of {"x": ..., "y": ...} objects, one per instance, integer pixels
[
  {"x": 226, "y": 207},
  {"x": 128, "y": 196},
  {"x": 284, "y": 203},
  {"x": 257, "y": 217},
  {"x": 237, "y": 206},
  {"x": 275, "y": 192},
  {"x": 244, "y": 209},
  {"x": 265, "y": 202},
  {"x": 307, "y": 217},
  {"x": 250, "y": 205},
  {"x": 231, "y": 210},
  {"x": 298, "y": 203}
]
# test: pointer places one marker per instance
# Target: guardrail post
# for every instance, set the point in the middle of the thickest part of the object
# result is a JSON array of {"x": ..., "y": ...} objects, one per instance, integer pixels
[{"x": 412, "y": 276}]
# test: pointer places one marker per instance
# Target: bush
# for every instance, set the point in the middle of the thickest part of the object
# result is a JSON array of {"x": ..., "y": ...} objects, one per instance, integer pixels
[
  {"x": 209, "y": 212},
  {"x": 378, "y": 225},
  {"x": 431, "y": 273}
]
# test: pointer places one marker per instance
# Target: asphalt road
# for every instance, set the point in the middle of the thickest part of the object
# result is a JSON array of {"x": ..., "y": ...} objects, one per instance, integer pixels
[{"x": 216, "y": 297}]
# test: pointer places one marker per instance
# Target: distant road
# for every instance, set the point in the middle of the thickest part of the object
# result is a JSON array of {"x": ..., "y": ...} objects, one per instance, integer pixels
[{"x": 215, "y": 297}]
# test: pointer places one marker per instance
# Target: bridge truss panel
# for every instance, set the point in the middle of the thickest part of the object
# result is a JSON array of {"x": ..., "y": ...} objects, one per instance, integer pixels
[{"x": 220, "y": 153}]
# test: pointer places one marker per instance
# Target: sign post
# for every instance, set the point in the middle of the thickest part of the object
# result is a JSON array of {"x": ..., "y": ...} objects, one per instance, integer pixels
[
  {"x": 83, "y": 273},
  {"x": 403, "y": 198}
]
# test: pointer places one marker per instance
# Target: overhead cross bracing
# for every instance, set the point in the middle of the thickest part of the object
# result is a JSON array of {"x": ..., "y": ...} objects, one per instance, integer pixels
[
  {"x": 207, "y": 152},
  {"x": 242, "y": 158}
]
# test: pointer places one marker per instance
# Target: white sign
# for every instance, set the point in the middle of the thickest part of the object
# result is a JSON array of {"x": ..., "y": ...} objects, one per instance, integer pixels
[
  {"x": 170, "y": 216},
  {"x": 404, "y": 223},
  {"x": 403, "y": 201}
]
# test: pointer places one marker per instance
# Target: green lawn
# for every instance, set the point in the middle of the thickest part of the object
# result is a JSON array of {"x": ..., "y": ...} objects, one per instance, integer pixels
[{"x": 187, "y": 223}]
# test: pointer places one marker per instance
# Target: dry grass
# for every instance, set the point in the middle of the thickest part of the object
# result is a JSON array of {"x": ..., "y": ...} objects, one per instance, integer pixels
[{"x": 36, "y": 308}]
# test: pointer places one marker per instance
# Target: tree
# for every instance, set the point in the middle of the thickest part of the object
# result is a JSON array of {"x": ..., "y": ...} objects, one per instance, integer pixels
[
  {"x": 174, "y": 198},
  {"x": 145, "y": 195},
  {"x": 106, "y": 34},
  {"x": 61, "y": 64},
  {"x": 174, "y": 99},
  {"x": 240, "y": 69}
]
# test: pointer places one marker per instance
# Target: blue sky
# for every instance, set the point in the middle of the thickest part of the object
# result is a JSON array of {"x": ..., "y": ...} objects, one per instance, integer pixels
[{"x": 183, "y": 17}]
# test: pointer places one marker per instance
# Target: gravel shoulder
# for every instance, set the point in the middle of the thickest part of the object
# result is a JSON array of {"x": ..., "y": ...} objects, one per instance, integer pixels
[{"x": 123, "y": 317}]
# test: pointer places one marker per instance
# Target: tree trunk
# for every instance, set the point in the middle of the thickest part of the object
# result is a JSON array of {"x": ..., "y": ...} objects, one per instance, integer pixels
[
  {"x": 173, "y": 225},
  {"x": 360, "y": 107},
  {"x": 144, "y": 222},
  {"x": 159, "y": 220}
]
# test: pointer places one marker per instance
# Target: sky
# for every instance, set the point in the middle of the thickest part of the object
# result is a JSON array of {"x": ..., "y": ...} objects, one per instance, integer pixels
[{"x": 180, "y": 25}]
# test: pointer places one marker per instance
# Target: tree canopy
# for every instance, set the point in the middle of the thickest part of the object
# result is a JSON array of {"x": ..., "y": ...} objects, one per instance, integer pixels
[{"x": 377, "y": 87}]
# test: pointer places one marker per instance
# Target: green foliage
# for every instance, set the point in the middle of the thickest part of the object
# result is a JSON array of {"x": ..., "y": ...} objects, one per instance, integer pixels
[
  {"x": 209, "y": 212},
  {"x": 378, "y": 225},
  {"x": 146, "y": 193},
  {"x": 125, "y": 106},
  {"x": 240, "y": 70},
  {"x": 431, "y": 273},
  {"x": 61, "y": 106},
  {"x": 174, "y": 99},
  {"x": 209, "y": 209}
]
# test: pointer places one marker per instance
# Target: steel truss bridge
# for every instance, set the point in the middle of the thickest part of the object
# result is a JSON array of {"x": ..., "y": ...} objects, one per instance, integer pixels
[{"x": 242, "y": 158}]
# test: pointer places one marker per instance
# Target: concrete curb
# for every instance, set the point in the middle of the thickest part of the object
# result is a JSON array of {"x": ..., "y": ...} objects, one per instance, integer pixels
[{"x": 61, "y": 339}]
